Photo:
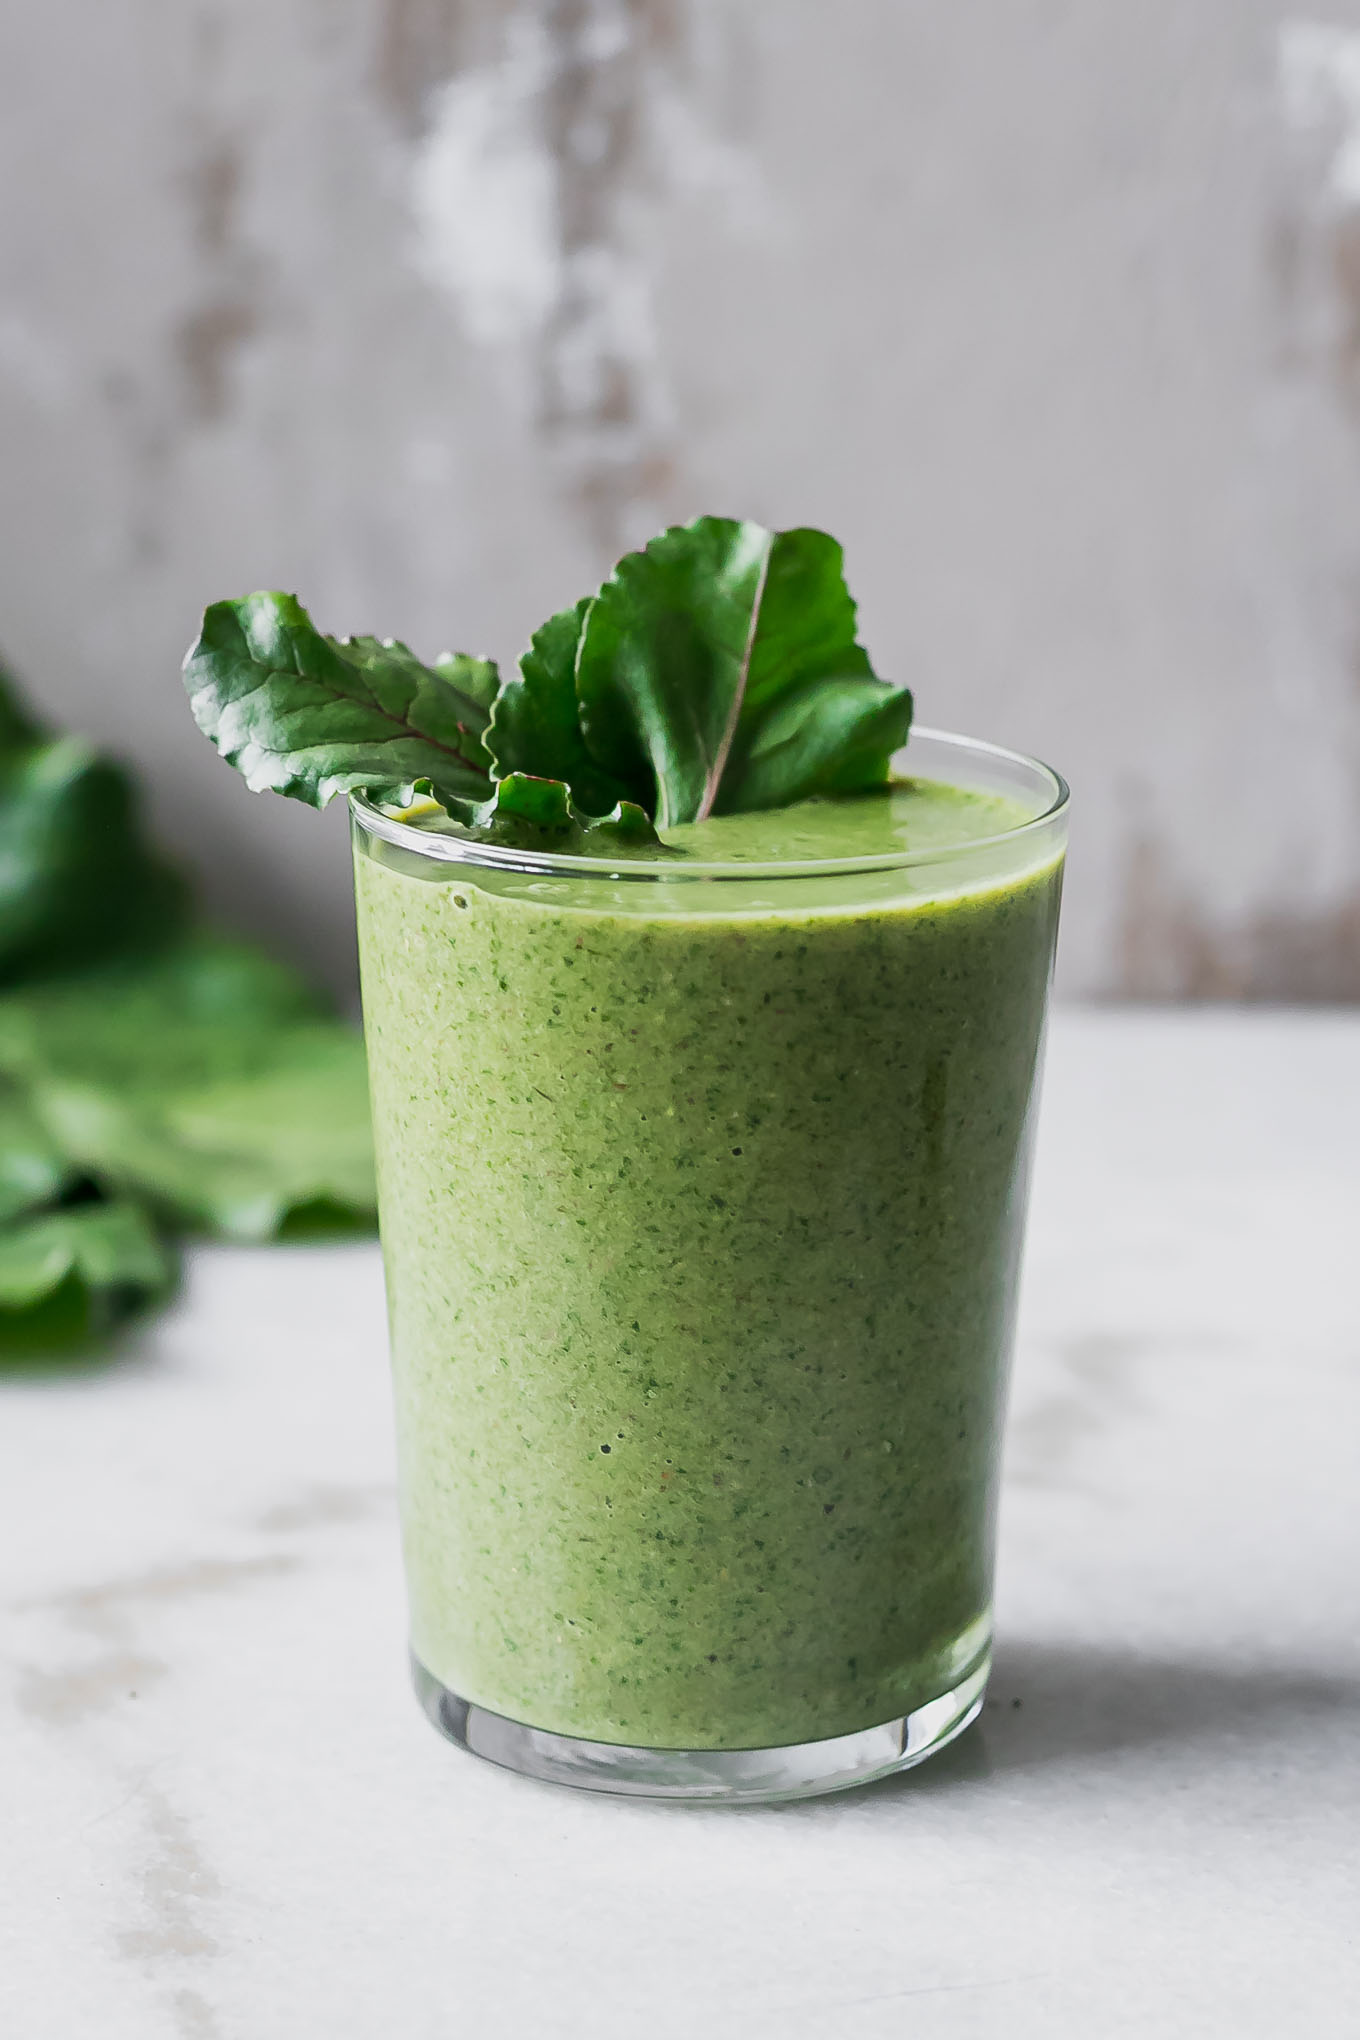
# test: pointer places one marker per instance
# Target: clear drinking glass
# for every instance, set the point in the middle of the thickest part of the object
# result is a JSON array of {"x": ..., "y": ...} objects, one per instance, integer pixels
[{"x": 702, "y": 1190}]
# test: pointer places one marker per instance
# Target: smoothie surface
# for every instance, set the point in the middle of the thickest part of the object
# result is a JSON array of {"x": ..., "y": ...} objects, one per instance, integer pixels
[{"x": 915, "y": 816}]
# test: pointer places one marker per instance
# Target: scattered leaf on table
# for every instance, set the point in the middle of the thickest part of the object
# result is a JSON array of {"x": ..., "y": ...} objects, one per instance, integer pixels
[
  {"x": 33, "y": 1169},
  {"x": 73, "y": 1273},
  {"x": 77, "y": 880},
  {"x": 205, "y": 1080},
  {"x": 17, "y": 725},
  {"x": 240, "y": 1157}
]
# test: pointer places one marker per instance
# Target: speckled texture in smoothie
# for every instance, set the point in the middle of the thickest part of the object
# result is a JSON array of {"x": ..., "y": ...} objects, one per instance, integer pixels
[{"x": 701, "y": 1229}]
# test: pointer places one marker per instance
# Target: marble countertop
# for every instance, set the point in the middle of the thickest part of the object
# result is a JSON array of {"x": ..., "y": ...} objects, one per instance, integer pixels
[{"x": 222, "y": 1818}]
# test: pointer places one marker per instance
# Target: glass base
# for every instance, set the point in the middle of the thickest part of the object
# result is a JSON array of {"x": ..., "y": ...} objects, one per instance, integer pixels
[{"x": 731, "y": 1777}]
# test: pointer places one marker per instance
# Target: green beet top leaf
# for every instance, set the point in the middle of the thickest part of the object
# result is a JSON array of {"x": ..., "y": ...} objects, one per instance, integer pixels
[
  {"x": 716, "y": 670},
  {"x": 313, "y": 716}
]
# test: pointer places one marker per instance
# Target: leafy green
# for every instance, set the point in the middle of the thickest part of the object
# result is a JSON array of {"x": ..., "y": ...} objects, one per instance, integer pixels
[
  {"x": 33, "y": 1169},
  {"x": 833, "y": 736},
  {"x": 17, "y": 726},
  {"x": 76, "y": 878},
  {"x": 311, "y": 716},
  {"x": 153, "y": 1078},
  {"x": 71, "y": 1273},
  {"x": 535, "y": 726},
  {"x": 664, "y": 659},
  {"x": 717, "y": 669},
  {"x": 204, "y": 995},
  {"x": 477, "y": 680},
  {"x": 206, "y": 1082},
  {"x": 531, "y": 813}
]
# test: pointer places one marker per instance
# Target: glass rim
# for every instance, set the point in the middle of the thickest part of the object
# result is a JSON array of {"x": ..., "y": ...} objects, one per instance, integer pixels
[{"x": 459, "y": 850}]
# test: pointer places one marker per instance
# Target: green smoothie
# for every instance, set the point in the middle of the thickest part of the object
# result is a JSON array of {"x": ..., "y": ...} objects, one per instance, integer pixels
[{"x": 701, "y": 1206}]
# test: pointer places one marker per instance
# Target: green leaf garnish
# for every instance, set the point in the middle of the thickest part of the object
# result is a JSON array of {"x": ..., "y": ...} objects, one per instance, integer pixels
[
  {"x": 311, "y": 716},
  {"x": 535, "y": 725},
  {"x": 529, "y": 813},
  {"x": 716, "y": 670}
]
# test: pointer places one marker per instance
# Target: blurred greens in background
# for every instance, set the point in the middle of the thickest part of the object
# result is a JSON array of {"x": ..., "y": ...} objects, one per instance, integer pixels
[{"x": 156, "y": 1078}]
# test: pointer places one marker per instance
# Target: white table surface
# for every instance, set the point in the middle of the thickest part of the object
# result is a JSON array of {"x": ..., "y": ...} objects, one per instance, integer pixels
[{"x": 224, "y": 1819}]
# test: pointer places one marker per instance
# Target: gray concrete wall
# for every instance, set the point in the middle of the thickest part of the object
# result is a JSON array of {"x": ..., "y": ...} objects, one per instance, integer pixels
[{"x": 426, "y": 308}]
